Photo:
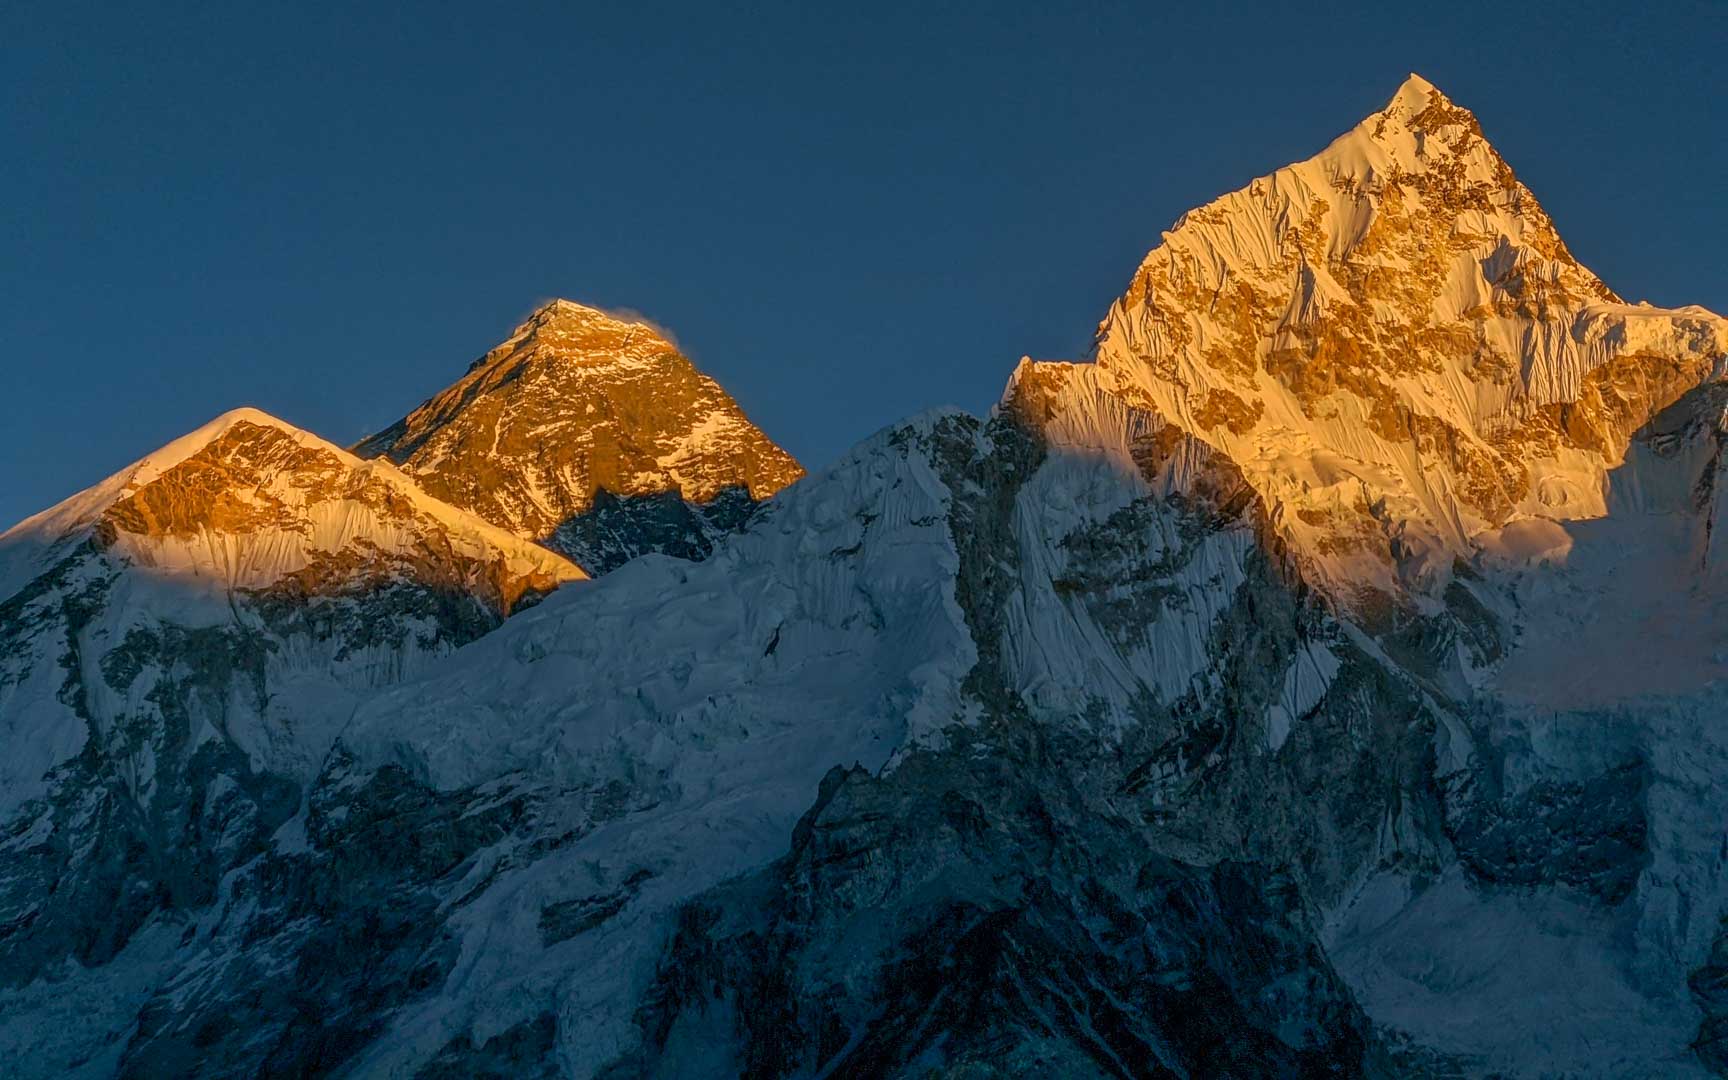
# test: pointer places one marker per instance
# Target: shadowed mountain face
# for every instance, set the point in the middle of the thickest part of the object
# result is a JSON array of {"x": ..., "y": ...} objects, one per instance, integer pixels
[
  {"x": 581, "y": 412},
  {"x": 179, "y": 646},
  {"x": 1325, "y": 681}
]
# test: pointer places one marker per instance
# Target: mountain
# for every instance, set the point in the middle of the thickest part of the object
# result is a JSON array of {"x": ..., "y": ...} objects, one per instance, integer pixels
[
  {"x": 1322, "y": 680},
  {"x": 179, "y": 646},
  {"x": 1498, "y": 482},
  {"x": 593, "y": 434},
  {"x": 1397, "y": 347}
]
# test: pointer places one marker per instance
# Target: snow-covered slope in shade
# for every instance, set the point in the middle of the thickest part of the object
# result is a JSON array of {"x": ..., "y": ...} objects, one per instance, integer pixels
[
  {"x": 643, "y": 741},
  {"x": 1035, "y": 637},
  {"x": 1395, "y": 345},
  {"x": 1590, "y": 783},
  {"x": 179, "y": 646},
  {"x": 593, "y": 434},
  {"x": 712, "y": 698},
  {"x": 252, "y": 526},
  {"x": 1580, "y": 930}
]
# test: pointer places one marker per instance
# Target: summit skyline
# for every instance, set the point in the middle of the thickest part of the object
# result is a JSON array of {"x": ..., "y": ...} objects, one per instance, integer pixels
[
  {"x": 841, "y": 219},
  {"x": 1323, "y": 677}
]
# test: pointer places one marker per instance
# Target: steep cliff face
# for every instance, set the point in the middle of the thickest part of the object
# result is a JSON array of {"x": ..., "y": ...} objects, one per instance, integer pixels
[{"x": 592, "y": 434}]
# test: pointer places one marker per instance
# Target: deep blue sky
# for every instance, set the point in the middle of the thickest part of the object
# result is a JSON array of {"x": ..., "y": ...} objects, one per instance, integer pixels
[{"x": 845, "y": 217}]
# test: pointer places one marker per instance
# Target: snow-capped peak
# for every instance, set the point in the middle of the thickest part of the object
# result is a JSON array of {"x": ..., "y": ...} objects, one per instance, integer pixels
[
  {"x": 559, "y": 307},
  {"x": 575, "y": 402},
  {"x": 1419, "y": 131},
  {"x": 247, "y": 498},
  {"x": 85, "y": 506},
  {"x": 1393, "y": 343}
]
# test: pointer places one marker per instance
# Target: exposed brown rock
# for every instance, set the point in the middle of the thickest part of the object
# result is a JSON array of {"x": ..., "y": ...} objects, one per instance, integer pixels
[{"x": 578, "y": 401}]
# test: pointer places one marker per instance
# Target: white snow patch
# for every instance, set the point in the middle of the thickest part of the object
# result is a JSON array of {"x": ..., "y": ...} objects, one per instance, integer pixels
[{"x": 1306, "y": 681}]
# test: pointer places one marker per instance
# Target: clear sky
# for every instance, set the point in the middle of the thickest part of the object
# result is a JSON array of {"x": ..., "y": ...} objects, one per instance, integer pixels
[{"x": 845, "y": 213}]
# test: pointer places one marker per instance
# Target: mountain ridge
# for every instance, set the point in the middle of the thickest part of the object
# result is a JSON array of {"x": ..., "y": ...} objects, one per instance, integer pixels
[
  {"x": 123, "y": 504},
  {"x": 1243, "y": 701}
]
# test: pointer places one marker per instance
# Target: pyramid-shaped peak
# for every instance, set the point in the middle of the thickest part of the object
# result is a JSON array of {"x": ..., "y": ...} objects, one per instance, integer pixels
[
  {"x": 564, "y": 332},
  {"x": 250, "y": 414},
  {"x": 1354, "y": 298},
  {"x": 578, "y": 401},
  {"x": 1417, "y": 130}
]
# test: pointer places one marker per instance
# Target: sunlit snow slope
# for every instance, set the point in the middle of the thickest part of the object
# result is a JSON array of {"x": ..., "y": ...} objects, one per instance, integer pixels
[{"x": 1395, "y": 345}]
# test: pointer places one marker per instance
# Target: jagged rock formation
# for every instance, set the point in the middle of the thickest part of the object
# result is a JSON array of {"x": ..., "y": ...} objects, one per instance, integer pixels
[
  {"x": 1321, "y": 682},
  {"x": 592, "y": 434}
]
